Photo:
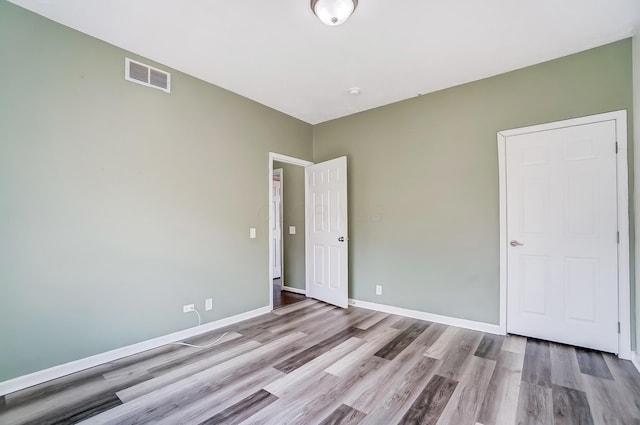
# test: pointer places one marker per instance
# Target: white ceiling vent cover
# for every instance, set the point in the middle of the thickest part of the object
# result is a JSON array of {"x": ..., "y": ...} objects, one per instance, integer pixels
[{"x": 146, "y": 75}]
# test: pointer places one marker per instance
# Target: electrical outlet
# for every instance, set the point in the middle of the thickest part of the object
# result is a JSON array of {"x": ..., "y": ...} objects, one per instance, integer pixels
[
  {"x": 188, "y": 307},
  {"x": 378, "y": 289},
  {"x": 208, "y": 304}
]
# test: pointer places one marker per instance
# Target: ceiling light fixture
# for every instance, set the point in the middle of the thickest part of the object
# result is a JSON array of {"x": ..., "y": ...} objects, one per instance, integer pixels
[{"x": 333, "y": 12}]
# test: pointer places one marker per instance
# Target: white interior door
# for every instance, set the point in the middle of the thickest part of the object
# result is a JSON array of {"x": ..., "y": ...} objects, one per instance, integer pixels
[
  {"x": 327, "y": 237},
  {"x": 562, "y": 282},
  {"x": 277, "y": 225}
]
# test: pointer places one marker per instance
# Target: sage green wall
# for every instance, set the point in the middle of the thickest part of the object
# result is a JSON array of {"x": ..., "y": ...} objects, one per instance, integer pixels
[
  {"x": 120, "y": 203},
  {"x": 423, "y": 178},
  {"x": 293, "y": 215}
]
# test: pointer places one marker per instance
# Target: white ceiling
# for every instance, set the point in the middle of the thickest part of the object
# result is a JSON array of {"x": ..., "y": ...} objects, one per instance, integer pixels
[{"x": 278, "y": 53}]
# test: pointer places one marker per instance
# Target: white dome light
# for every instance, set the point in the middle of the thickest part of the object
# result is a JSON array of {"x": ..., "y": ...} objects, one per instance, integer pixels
[{"x": 333, "y": 12}]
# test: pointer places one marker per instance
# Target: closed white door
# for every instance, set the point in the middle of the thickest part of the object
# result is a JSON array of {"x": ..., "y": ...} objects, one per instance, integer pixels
[
  {"x": 327, "y": 242},
  {"x": 277, "y": 228},
  {"x": 562, "y": 282}
]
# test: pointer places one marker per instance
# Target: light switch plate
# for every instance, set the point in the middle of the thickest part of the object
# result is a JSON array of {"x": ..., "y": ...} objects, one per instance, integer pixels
[
  {"x": 252, "y": 233},
  {"x": 292, "y": 230}
]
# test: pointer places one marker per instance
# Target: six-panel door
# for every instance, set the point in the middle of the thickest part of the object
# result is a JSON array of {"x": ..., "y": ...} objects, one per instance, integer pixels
[
  {"x": 562, "y": 233},
  {"x": 327, "y": 240}
]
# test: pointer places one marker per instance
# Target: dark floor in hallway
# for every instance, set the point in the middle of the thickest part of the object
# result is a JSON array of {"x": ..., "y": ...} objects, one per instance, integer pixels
[{"x": 282, "y": 298}]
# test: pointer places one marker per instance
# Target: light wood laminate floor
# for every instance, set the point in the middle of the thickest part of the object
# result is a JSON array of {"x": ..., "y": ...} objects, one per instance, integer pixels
[{"x": 311, "y": 363}]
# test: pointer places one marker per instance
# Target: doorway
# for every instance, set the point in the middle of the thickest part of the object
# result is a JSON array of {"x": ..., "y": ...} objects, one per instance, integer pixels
[
  {"x": 564, "y": 232},
  {"x": 321, "y": 234},
  {"x": 287, "y": 232},
  {"x": 283, "y": 296}
]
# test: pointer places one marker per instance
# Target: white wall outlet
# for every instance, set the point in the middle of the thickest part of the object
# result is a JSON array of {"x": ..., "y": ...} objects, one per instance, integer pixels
[
  {"x": 378, "y": 289},
  {"x": 208, "y": 304},
  {"x": 252, "y": 233},
  {"x": 188, "y": 307},
  {"x": 292, "y": 230}
]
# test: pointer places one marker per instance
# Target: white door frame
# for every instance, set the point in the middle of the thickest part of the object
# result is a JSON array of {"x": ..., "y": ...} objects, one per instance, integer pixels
[
  {"x": 287, "y": 160},
  {"x": 280, "y": 173},
  {"x": 624, "y": 291}
]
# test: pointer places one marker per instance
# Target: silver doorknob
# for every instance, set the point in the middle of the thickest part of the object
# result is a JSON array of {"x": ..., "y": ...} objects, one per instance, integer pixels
[
  {"x": 515, "y": 243},
  {"x": 341, "y": 239}
]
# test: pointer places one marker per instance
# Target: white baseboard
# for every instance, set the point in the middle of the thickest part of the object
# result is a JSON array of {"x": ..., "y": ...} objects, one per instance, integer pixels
[
  {"x": 45, "y": 375},
  {"x": 635, "y": 359},
  {"x": 294, "y": 290},
  {"x": 430, "y": 317}
]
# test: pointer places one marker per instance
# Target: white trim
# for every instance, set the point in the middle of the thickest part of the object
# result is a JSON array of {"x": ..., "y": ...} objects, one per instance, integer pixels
[
  {"x": 288, "y": 160},
  {"x": 502, "y": 179},
  {"x": 624, "y": 291},
  {"x": 280, "y": 173},
  {"x": 307, "y": 230},
  {"x": 294, "y": 290},
  {"x": 636, "y": 160},
  {"x": 635, "y": 359},
  {"x": 430, "y": 317},
  {"x": 45, "y": 375}
]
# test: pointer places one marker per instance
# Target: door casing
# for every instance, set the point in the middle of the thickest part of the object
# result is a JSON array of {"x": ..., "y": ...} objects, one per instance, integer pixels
[
  {"x": 280, "y": 173},
  {"x": 624, "y": 291}
]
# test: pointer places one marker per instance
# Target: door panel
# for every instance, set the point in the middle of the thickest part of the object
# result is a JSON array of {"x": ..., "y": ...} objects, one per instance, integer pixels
[
  {"x": 581, "y": 290},
  {"x": 535, "y": 281},
  {"x": 562, "y": 207},
  {"x": 327, "y": 255}
]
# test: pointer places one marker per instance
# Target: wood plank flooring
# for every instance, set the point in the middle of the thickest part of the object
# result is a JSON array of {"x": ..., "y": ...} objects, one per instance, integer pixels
[{"x": 311, "y": 363}]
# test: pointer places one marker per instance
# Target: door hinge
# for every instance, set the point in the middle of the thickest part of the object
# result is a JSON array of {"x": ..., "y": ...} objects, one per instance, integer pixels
[
  {"x": 616, "y": 147},
  {"x": 618, "y": 327},
  {"x": 618, "y": 236}
]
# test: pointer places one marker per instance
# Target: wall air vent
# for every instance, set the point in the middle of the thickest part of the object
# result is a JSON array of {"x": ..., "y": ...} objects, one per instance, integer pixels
[{"x": 147, "y": 76}]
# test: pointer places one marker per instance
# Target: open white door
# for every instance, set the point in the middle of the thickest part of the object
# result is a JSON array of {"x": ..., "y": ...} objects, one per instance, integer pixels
[{"x": 327, "y": 237}]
